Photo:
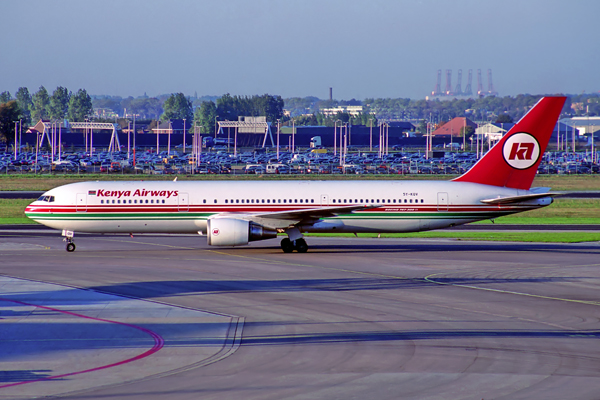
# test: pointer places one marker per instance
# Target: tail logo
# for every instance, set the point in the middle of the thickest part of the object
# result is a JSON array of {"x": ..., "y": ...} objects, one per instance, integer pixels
[{"x": 521, "y": 150}]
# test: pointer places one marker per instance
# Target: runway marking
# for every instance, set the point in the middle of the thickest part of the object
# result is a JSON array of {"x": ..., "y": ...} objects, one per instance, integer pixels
[
  {"x": 539, "y": 296},
  {"x": 314, "y": 266},
  {"x": 158, "y": 344},
  {"x": 151, "y": 244}
]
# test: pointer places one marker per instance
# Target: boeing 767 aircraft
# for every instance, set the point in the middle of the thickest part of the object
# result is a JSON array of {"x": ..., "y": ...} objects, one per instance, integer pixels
[{"x": 236, "y": 213}]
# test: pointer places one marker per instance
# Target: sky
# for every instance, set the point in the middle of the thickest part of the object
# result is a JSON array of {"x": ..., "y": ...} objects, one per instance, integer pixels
[{"x": 297, "y": 48}]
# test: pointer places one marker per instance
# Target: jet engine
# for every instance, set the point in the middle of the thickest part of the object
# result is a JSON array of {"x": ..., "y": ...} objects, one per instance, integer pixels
[{"x": 236, "y": 232}]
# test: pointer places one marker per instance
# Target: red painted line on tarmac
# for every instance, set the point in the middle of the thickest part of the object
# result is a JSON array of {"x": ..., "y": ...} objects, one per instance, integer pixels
[{"x": 158, "y": 344}]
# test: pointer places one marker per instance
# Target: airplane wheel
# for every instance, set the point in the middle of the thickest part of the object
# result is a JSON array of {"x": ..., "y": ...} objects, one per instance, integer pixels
[
  {"x": 301, "y": 246},
  {"x": 70, "y": 247},
  {"x": 286, "y": 245}
]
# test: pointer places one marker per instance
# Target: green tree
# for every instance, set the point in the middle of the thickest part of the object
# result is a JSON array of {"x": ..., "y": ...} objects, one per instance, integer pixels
[
  {"x": 503, "y": 119},
  {"x": 145, "y": 107},
  {"x": 40, "y": 104},
  {"x": 467, "y": 131},
  {"x": 9, "y": 113},
  {"x": 24, "y": 100},
  {"x": 305, "y": 120},
  {"x": 177, "y": 106},
  {"x": 205, "y": 116},
  {"x": 59, "y": 103},
  {"x": 80, "y": 106},
  {"x": 5, "y": 97},
  {"x": 226, "y": 108}
]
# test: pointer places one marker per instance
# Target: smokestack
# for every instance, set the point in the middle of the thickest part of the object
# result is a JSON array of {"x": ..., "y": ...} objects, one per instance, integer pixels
[{"x": 330, "y": 94}]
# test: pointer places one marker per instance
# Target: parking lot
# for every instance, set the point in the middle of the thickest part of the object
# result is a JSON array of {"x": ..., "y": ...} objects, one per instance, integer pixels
[{"x": 268, "y": 161}]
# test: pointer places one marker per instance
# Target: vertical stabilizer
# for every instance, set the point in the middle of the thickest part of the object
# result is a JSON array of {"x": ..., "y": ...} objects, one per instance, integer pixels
[{"x": 514, "y": 160}]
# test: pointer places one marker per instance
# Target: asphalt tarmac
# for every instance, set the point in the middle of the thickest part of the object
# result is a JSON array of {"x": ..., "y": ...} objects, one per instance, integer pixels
[{"x": 351, "y": 319}]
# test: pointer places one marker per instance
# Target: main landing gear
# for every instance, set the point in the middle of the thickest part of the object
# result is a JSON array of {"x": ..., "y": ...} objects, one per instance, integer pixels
[
  {"x": 69, "y": 239},
  {"x": 294, "y": 241},
  {"x": 289, "y": 246}
]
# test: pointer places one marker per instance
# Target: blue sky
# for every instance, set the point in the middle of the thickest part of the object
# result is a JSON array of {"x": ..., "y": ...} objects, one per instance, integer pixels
[{"x": 297, "y": 48}]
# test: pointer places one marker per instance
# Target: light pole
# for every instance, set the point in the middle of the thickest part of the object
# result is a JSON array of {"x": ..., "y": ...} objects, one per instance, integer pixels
[
  {"x": 277, "y": 139},
  {"x": 169, "y": 139},
  {"x": 184, "y": 136},
  {"x": 334, "y": 137},
  {"x": 16, "y": 151},
  {"x": 134, "y": 139},
  {"x": 293, "y": 134},
  {"x": 128, "y": 138},
  {"x": 371, "y": 135}
]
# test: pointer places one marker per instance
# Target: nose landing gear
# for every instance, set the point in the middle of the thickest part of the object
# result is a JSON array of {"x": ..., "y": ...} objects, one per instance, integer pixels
[{"x": 69, "y": 239}]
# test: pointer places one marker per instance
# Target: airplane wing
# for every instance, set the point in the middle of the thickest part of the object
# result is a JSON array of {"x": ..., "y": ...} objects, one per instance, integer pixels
[{"x": 284, "y": 219}]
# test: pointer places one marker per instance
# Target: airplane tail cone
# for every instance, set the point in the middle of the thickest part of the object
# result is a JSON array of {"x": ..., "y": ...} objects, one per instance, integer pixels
[{"x": 514, "y": 160}]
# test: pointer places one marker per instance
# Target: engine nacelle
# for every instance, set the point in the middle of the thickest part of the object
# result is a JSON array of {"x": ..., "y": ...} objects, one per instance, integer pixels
[{"x": 236, "y": 232}]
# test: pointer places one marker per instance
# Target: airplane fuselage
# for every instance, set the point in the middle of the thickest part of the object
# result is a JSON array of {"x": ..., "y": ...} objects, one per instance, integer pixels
[{"x": 185, "y": 207}]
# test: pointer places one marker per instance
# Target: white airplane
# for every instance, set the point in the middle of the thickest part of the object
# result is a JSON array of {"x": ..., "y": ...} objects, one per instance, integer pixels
[{"x": 236, "y": 213}]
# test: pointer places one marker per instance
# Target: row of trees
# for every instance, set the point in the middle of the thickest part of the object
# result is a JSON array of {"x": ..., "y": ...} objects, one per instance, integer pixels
[
  {"x": 58, "y": 106},
  {"x": 205, "y": 111},
  {"x": 41, "y": 105},
  {"x": 480, "y": 109},
  {"x": 229, "y": 108}
]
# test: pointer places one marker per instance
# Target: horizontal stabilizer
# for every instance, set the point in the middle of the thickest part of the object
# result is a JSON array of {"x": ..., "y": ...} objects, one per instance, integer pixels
[{"x": 520, "y": 199}]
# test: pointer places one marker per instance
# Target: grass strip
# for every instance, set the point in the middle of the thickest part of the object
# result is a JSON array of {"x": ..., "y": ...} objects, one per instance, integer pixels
[
  {"x": 539, "y": 237},
  {"x": 33, "y": 182}
]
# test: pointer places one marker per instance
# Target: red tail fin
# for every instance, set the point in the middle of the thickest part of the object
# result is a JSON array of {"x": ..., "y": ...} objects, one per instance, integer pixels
[{"x": 514, "y": 160}]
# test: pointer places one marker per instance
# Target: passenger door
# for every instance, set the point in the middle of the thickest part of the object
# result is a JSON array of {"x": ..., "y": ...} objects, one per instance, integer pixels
[
  {"x": 81, "y": 202},
  {"x": 442, "y": 204},
  {"x": 184, "y": 202}
]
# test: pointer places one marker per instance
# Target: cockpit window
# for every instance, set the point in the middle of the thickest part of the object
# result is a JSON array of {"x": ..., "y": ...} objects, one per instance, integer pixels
[{"x": 48, "y": 199}]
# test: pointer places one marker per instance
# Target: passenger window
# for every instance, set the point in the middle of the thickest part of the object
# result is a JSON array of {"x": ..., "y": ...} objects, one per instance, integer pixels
[
  {"x": 203, "y": 201},
  {"x": 146, "y": 201},
  {"x": 404, "y": 201},
  {"x": 334, "y": 200},
  {"x": 284, "y": 200},
  {"x": 113, "y": 202},
  {"x": 237, "y": 201},
  {"x": 152, "y": 201},
  {"x": 422, "y": 200},
  {"x": 215, "y": 201},
  {"x": 268, "y": 200},
  {"x": 164, "y": 201},
  {"x": 300, "y": 200},
  {"x": 312, "y": 200},
  {"x": 410, "y": 200},
  {"x": 279, "y": 200},
  {"x": 101, "y": 201}
]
